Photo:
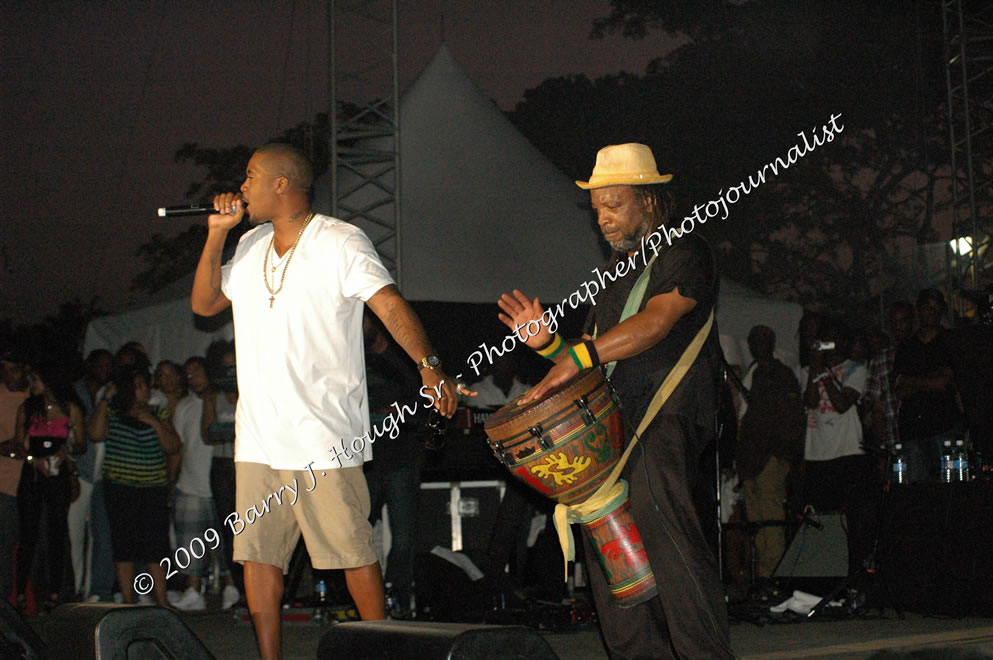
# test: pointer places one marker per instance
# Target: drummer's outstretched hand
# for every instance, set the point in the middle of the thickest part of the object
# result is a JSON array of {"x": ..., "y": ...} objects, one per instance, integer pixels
[
  {"x": 523, "y": 316},
  {"x": 557, "y": 375}
]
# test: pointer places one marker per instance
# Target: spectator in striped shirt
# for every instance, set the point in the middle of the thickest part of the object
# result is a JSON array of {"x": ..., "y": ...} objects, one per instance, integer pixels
[
  {"x": 137, "y": 441},
  {"x": 881, "y": 400}
]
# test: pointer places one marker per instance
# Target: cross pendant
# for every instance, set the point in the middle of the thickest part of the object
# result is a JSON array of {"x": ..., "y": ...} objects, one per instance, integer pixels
[{"x": 272, "y": 299}]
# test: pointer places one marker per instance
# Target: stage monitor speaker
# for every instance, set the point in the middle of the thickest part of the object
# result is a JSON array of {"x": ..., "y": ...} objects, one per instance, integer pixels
[
  {"x": 818, "y": 550},
  {"x": 106, "y": 631},
  {"x": 431, "y": 641},
  {"x": 19, "y": 641}
]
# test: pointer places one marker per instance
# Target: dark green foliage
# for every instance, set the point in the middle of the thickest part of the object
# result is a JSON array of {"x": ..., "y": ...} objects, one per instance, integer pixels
[{"x": 720, "y": 107}]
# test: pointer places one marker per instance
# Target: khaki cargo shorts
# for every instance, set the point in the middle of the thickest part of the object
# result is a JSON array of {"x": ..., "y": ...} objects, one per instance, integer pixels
[{"x": 329, "y": 507}]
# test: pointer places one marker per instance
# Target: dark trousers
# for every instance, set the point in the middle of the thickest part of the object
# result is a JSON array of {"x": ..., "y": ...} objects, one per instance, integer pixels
[
  {"x": 102, "y": 560},
  {"x": 9, "y": 533},
  {"x": 222, "y": 487},
  {"x": 34, "y": 492},
  {"x": 688, "y": 618},
  {"x": 399, "y": 488},
  {"x": 508, "y": 541}
]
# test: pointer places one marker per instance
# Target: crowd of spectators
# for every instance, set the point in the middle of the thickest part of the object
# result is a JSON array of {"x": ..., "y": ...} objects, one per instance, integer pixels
[
  {"x": 105, "y": 476},
  {"x": 821, "y": 439},
  {"x": 117, "y": 471}
]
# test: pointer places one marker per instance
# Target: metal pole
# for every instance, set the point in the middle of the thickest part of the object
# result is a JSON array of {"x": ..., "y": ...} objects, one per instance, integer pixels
[
  {"x": 332, "y": 109},
  {"x": 397, "y": 174}
]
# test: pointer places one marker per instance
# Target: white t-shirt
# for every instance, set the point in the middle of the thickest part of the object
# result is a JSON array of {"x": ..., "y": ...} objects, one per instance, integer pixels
[
  {"x": 194, "y": 475},
  {"x": 489, "y": 394},
  {"x": 830, "y": 434},
  {"x": 301, "y": 369}
]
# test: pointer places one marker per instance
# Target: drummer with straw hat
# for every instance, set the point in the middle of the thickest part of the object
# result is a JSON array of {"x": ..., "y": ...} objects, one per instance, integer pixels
[{"x": 641, "y": 326}]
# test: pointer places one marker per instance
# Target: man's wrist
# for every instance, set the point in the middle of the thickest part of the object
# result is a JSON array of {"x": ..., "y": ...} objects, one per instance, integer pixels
[
  {"x": 430, "y": 361},
  {"x": 216, "y": 237},
  {"x": 550, "y": 349}
]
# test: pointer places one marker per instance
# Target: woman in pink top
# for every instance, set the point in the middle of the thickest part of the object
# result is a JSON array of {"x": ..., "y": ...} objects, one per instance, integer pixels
[{"x": 49, "y": 427}]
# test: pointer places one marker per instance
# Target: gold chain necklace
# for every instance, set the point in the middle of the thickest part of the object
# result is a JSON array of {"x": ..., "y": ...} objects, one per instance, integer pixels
[{"x": 289, "y": 258}]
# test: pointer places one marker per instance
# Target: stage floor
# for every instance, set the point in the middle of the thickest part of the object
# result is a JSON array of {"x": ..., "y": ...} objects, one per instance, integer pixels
[{"x": 229, "y": 637}]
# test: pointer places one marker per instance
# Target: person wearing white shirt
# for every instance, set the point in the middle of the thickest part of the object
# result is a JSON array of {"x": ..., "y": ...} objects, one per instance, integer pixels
[
  {"x": 500, "y": 385},
  {"x": 837, "y": 474},
  {"x": 297, "y": 286},
  {"x": 194, "y": 503}
]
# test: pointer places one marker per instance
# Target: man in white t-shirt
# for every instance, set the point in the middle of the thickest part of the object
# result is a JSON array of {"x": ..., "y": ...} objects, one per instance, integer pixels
[
  {"x": 837, "y": 474},
  {"x": 297, "y": 287},
  {"x": 193, "y": 507},
  {"x": 501, "y": 384}
]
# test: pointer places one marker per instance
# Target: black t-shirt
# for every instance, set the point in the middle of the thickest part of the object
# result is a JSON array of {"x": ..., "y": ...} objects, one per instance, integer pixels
[
  {"x": 971, "y": 354},
  {"x": 688, "y": 264},
  {"x": 926, "y": 413}
]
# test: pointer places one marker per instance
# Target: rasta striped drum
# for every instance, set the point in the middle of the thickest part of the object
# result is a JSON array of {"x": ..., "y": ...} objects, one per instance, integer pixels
[{"x": 564, "y": 446}]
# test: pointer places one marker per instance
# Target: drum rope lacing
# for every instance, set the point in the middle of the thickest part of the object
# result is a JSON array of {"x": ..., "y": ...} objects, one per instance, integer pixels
[{"x": 614, "y": 487}]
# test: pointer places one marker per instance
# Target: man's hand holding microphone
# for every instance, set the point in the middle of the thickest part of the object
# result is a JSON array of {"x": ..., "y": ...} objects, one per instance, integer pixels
[{"x": 230, "y": 210}]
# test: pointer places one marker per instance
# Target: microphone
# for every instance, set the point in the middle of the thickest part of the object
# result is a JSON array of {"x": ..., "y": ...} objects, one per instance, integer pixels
[{"x": 186, "y": 210}]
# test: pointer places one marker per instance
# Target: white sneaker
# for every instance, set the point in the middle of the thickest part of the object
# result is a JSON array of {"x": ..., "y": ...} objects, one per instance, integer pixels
[
  {"x": 145, "y": 599},
  {"x": 118, "y": 597},
  {"x": 229, "y": 597},
  {"x": 173, "y": 596},
  {"x": 192, "y": 599},
  {"x": 93, "y": 598}
]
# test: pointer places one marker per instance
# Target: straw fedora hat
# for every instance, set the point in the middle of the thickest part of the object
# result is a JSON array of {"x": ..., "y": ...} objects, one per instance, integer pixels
[{"x": 629, "y": 164}]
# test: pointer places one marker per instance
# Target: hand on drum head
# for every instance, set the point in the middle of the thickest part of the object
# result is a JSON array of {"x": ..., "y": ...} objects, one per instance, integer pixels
[
  {"x": 523, "y": 316},
  {"x": 557, "y": 375}
]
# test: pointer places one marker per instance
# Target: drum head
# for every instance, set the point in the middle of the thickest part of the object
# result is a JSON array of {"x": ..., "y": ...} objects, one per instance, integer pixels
[{"x": 513, "y": 411}]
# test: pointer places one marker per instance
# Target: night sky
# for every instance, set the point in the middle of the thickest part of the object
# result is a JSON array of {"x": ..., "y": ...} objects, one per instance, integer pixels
[{"x": 98, "y": 95}]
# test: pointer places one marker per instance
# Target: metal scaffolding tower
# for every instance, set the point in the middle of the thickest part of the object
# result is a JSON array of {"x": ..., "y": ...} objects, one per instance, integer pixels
[
  {"x": 968, "y": 32},
  {"x": 365, "y": 122}
]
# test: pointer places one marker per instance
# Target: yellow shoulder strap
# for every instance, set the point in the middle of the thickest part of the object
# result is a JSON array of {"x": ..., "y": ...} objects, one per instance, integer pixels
[
  {"x": 633, "y": 303},
  {"x": 612, "y": 487}
]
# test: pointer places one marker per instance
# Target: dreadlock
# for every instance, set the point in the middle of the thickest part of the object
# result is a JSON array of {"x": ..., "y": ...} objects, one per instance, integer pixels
[{"x": 657, "y": 199}]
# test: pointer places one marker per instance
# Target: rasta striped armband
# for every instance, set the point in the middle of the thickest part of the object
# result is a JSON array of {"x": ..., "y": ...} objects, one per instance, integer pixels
[
  {"x": 552, "y": 348},
  {"x": 584, "y": 355}
]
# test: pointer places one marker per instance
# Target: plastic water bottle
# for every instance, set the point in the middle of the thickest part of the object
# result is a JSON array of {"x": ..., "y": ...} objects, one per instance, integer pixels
[
  {"x": 947, "y": 463},
  {"x": 899, "y": 465},
  {"x": 322, "y": 592},
  {"x": 961, "y": 461},
  {"x": 392, "y": 603}
]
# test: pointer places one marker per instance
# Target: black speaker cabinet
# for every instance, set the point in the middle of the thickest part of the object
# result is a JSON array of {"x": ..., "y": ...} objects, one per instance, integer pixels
[
  {"x": 431, "y": 641},
  {"x": 106, "y": 631},
  {"x": 18, "y": 642}
]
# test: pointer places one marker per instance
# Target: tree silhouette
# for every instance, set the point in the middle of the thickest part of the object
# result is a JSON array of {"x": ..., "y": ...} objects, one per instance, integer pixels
[
  {"x": 732, "y": 99},
  {"x": 170, "y": 258},
  {"x": 58, "y": 339}
]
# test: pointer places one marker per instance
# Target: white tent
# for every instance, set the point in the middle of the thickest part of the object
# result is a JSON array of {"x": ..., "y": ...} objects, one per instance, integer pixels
[
  {"x": 167, "y": 329},
  {"x": 739, "y": 309},
  {"x": 482, "y": 211},
  {"x": 481, "y": 208}
]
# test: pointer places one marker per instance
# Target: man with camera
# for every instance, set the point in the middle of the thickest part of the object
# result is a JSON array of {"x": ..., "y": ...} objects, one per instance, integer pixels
[{"x": 836, "y": 471}]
